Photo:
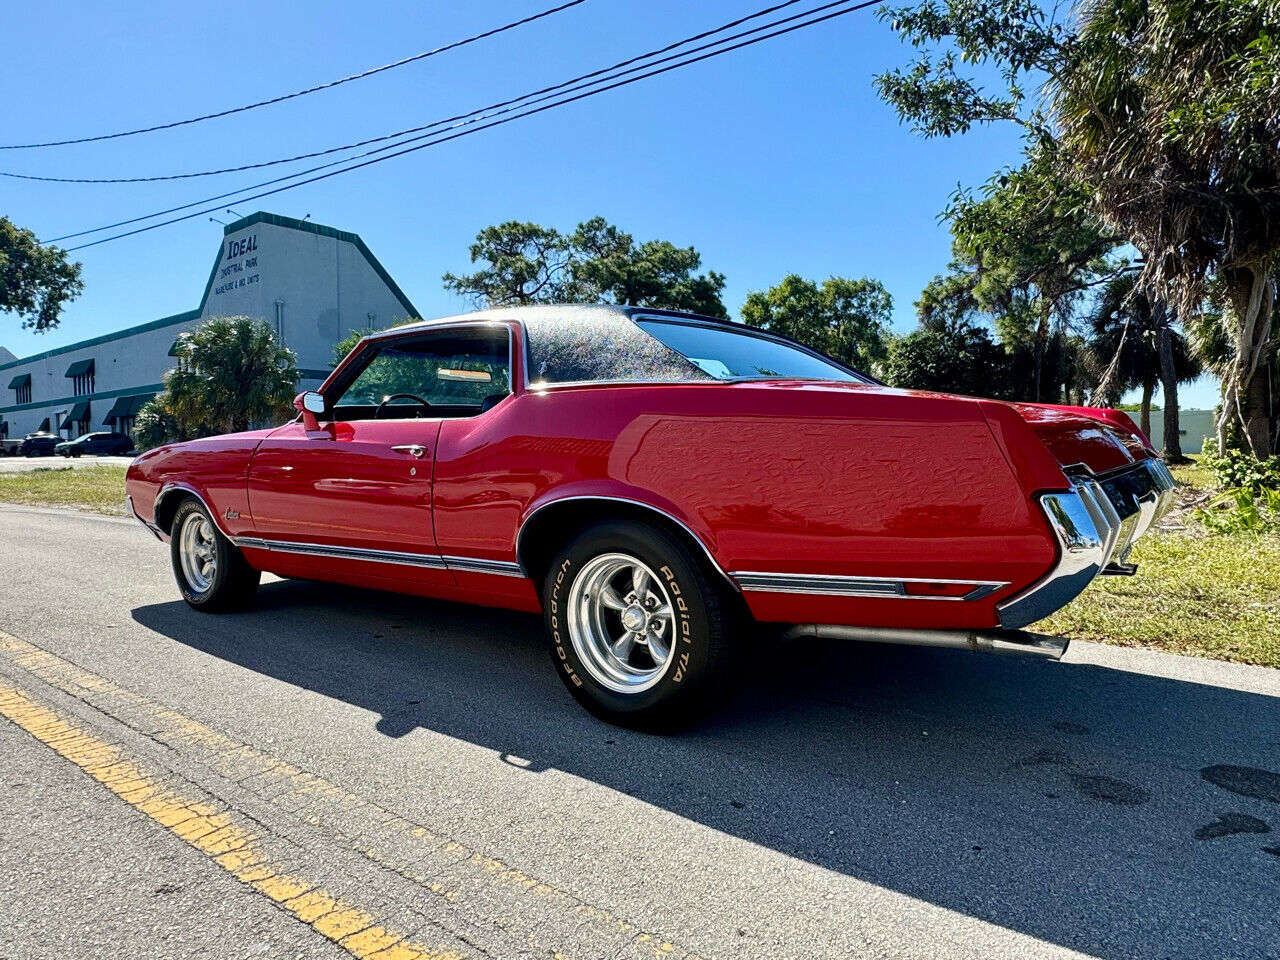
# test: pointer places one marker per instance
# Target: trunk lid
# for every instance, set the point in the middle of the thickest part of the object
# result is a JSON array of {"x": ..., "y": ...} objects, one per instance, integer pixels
[{"x": 1099, "y": 439}]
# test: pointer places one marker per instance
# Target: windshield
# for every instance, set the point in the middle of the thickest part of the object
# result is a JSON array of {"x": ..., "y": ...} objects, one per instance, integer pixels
[{"x": 728, "y": 354}]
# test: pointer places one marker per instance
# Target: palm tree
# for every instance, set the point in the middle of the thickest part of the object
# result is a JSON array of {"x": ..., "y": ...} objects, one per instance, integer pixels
[
  {"x": 1172, "y": 114},
  {"x": 1125, "y": 341},
  {"x": 231, "y": 374}
]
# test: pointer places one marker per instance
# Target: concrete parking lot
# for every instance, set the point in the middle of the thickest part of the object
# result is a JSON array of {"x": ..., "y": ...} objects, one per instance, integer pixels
[{"x": 337, "y": 766}]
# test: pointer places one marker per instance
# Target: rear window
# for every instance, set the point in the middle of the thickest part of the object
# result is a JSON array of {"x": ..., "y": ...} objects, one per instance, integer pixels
[
  {"x": 581, "y": 346},
  {"x": 594, "y": 346},
  {"x": 728, "y": 354}
]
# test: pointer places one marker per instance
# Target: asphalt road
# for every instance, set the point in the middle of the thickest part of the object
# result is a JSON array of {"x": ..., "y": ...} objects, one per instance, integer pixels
[{"x": 420, "y": 761}]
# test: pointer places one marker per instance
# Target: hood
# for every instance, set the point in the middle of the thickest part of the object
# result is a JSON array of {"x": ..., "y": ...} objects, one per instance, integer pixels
[{"x": 1099, "y": 439}]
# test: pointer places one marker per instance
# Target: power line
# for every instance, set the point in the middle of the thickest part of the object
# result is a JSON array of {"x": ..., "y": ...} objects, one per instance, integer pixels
[
  {"x": 411, "y": 130},
  {"x": 495, "y": 123},
  {"x": 302, "y": 93},
  {"x": 463, "y": 117}
]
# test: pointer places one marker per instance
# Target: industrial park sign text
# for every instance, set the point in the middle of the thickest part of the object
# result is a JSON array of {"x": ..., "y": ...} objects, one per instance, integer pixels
[{"x": 236, "y": 263}]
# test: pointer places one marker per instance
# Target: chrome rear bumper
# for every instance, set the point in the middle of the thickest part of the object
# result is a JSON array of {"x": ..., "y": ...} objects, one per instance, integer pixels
[{"x": 1096, "y": 523}]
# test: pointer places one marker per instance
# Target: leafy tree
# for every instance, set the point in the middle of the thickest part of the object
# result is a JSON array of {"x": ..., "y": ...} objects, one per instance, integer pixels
[
  {"x": 524, "y": 263},
  {"x": 1033, "y": 252},
  {"x": 598, "y": 263},
  {"x": 1031, "y": 47},
  {"x": 348, "y": 343},
  {"x": 35, "y": 281},
  {"x": 1125, "y": 343},
  {"x": 962, "y": 360},
  {"x": 230, "y": 375},
  {"x": 608, "y": 266},
  {"x": 156, "y": 424},
  {"x": 1176, "y": 122},
  {"x": 844, "y": 319},
  {"x": 947, "y": 302}
]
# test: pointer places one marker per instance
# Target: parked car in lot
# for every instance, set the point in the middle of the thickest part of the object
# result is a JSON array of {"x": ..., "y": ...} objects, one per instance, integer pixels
[
  {"x": 653, "y": 482},
  {"x": 104, "y": 443},
  {"x": 39, "y": 444}
]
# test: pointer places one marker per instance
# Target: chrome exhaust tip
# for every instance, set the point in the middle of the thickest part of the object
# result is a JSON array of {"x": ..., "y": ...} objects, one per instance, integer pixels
[{"x": 1015, "y": 643}]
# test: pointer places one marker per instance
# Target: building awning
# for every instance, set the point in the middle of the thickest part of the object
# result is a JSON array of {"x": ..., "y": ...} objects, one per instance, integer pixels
[
  {"x": 44, "y": 426},
  {"x": 126, "y": 407},
  {"x": 21, "y": 380},
  {"x": 79, "y": 412},
  {"x": 176, "y": 349},
  {"x": 81, "y": 368}
]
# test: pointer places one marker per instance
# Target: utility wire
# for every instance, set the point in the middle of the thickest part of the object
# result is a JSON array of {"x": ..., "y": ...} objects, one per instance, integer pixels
[
  {"x": 411, "y": 130},
  {"x": 302, "y": 93},
  {"x": 495, "y": 123},
  {"x": 463, "y": 117}
]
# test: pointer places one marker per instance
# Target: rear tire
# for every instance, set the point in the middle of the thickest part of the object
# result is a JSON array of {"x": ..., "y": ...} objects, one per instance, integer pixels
[
  {"x": 642, "y": 634},
  {"x": 213, "y": 575}
]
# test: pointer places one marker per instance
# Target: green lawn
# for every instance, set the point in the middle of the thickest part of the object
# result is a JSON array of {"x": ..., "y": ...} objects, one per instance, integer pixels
[
  {"x": 1195, "y": 593},
  {"x": 100, "y": 489},
  {"x": 1204, "y": 595}
]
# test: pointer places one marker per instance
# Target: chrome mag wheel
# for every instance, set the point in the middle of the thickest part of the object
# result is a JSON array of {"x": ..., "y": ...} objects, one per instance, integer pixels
[
  {"x": 621, "y": 622},
  {"x": 198, "y": 552}
]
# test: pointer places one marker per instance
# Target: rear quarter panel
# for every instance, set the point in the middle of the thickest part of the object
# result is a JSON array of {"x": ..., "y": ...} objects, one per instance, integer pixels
[{"x": 784, "y": 479}]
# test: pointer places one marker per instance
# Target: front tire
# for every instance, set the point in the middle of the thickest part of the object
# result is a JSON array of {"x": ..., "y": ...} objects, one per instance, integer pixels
[
  {"x": 213, "y": 576},
  {"x": 641, "y": 635}
]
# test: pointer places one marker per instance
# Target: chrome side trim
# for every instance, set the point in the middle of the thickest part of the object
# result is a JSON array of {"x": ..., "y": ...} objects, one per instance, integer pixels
[
  {"x": 635, "y": 503},
  {"x": 827, "y": 585},
  {"x": 431, "y": 561},
  {"x": 500, "y": 568}
]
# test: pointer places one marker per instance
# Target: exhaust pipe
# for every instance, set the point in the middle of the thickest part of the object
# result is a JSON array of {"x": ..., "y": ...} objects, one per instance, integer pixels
[{"x": 1017, "y": 643}]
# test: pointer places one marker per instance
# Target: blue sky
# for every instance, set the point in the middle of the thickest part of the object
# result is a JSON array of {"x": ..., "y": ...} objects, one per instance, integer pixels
[{"x": 774, "y": 159}]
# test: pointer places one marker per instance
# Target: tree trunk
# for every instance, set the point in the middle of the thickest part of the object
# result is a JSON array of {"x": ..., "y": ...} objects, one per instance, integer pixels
[
  {"x": 1148, "y": 388},
  {"x": 1041, "y": 350},
  {"x": 1255, "y": 403},
  {"x": 1245, "y": 402},
  {"x": 1168, "y": 384}
]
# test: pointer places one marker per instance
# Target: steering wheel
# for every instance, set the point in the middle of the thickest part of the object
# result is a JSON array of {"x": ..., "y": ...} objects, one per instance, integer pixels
[{"x": 377, "y": 414}]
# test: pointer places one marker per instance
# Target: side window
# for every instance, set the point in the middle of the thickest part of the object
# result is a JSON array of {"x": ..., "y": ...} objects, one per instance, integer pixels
[{"x": 452, "y": 373}]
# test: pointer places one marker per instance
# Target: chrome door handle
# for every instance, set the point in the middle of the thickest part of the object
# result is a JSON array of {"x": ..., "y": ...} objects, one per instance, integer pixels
[{"x": 412, "y": 449}]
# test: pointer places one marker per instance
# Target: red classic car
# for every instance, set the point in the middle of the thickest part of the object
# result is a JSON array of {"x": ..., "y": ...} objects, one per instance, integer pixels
[{"x": 653, "y": 482}]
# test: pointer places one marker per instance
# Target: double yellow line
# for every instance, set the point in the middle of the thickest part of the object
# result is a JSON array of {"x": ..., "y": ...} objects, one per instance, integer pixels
[{"x": 215, "y": 834}]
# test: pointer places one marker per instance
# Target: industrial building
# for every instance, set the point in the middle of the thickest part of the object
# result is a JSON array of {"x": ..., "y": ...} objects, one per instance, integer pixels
[{"x": 312, "y": 283}]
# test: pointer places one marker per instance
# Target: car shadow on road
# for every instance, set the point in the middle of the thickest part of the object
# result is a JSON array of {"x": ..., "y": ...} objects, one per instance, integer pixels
[{"x": 1060, "y": 800}]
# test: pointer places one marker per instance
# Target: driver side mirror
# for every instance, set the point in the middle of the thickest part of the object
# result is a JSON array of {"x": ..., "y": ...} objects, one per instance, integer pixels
[{"x": 312, "y": 405}]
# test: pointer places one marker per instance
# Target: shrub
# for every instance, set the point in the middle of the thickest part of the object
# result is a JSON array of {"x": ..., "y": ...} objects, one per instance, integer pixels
[
  {"x": 1250, "y": 501},
  {"x": 1237, "y": 469}
]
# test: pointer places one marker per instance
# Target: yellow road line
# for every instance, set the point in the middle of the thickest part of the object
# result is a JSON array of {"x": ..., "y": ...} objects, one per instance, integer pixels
[
  {"x": 214, "y": 833},
  {"x": 320, "y": 802}
]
